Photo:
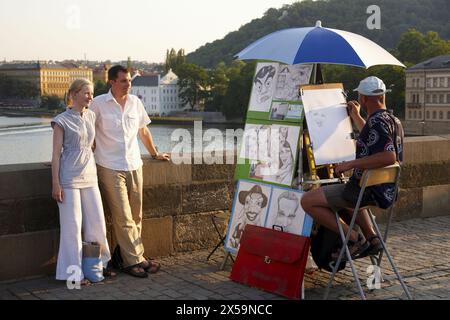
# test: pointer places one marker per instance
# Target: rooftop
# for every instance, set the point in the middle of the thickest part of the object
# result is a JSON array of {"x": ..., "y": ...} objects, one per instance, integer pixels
[
  {"x": 41, "y": 65},
  {"x": 146, "y": 81},
  {"x": 439, "y": 62}
]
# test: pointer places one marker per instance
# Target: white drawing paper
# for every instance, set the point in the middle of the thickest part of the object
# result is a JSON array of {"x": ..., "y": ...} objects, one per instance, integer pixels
[{"x": 329, "y": 125}]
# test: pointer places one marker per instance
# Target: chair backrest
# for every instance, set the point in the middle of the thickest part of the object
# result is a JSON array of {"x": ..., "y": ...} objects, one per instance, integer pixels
[{"x": 387, "y": 174}]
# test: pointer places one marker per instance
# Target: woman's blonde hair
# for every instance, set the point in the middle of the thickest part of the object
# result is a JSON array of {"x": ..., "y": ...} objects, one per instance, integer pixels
[{"x": 74, "y": 88}]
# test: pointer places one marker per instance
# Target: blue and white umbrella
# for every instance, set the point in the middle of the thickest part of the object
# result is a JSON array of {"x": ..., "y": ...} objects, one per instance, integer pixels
[{"x": 318, "y": 45}]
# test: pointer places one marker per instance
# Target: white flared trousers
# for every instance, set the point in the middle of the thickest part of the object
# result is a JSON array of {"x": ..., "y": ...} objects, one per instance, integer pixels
[{"x": 81, "y": 219}]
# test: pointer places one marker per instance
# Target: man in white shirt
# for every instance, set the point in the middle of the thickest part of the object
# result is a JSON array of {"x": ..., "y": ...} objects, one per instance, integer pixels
[{"x": 120, "y": 118}]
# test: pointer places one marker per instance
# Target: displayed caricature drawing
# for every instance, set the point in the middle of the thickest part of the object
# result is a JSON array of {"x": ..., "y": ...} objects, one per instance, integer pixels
[
  {"x": 280, "y": 168},
  {"x": 285, "y": 211},
  {"x": 289, "y": 80},
  {"x": 256, "y": 142},
  {"x": 250, "y": 207},
  {"x": 263, "y": 87}
]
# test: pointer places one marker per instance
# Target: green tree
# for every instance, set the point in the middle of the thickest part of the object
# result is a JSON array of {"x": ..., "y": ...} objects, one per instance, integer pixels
[
  {"x": 181, "y": 58},
  {"x": 218, "y": 82},
  {"x": 174, "y": 60},
  {"x": 100, "y": 87},
  {"x": 411, "y": 46},
  {"x": 415, "y": 47},
  {"x": 129, "y": 64},
  {"x": 435, "y": 46},
  {"x": 193, "y": 84},
  {"x": 235, "y": 102},
  {"x": 13, "y": 88},
  {"x": 51, "y": 102}
]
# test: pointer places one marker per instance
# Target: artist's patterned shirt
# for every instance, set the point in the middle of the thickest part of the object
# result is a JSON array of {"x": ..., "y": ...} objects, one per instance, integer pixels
[{"x": 378, "y": 135}]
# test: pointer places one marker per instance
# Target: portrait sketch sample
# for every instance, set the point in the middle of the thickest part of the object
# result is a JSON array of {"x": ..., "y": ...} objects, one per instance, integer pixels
[
  {"x": 250, "y": 206},
  {"x": 285, "y": 212},
  {"x": 329, "y": 124},
  {"x": 263, "y": 87},
  {"x": 256, "y": 142},
  {"x": 272, "y": 151},
  {"x": 289, "y": 80},
  {"x": 282, "y": 166}
]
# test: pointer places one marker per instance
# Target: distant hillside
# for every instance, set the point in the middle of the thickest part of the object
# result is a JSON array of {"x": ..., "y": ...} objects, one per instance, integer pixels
[{"x": 397, "y": 16}]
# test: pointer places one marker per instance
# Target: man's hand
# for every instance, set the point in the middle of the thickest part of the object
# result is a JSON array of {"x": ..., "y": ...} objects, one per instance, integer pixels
[
  {"x": 162, "y": 157},
  {"x": 354, "y": 109},
  {"x": 343, "y": 167}
]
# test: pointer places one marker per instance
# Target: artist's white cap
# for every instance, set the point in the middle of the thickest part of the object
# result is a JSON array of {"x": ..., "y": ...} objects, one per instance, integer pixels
[{"x": 372, "y": 86}]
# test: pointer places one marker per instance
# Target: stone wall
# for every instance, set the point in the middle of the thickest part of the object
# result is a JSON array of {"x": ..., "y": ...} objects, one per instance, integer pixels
[
  {"x": 179, "y": 203},
  {"x": 428, "y": 127}
]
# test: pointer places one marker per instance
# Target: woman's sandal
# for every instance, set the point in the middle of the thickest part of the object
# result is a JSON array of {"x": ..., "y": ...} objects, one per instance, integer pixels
[
  {"x": 85, "y": 282},
  {"x": 151, "y": 266},
  {"x": 108, "y": 271},
  {"x": 132, "y": 271}
]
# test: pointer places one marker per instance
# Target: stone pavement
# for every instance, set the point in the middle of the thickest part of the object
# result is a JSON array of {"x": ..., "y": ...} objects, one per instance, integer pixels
[{"x": 421, "y": 249}]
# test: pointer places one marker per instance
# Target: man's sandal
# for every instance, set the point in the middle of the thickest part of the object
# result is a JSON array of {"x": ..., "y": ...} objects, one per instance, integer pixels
[
  {"x": 150, "y": 266},
  {"x": 374, "y": 249},
  {"x": 133, "y": 271},
  {"x": 357, "y": 249}
]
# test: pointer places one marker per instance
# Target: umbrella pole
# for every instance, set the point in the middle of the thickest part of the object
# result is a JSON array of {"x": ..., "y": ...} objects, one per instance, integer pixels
[{"x": 317, "y": 74}]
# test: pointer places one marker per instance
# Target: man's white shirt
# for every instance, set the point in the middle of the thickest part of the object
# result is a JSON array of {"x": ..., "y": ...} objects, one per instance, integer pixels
[{"x": 117, "y": 146}]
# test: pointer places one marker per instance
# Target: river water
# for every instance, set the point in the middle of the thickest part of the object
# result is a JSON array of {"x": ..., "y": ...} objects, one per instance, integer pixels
[{"x": 29, "y": 139}]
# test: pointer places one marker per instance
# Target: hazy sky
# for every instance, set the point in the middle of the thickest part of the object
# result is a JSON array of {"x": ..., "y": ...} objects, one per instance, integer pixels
[{"x": 113, "y": 29}]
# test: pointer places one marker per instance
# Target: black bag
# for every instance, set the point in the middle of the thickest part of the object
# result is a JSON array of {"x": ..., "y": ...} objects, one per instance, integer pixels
[
  {"x": 323, "y": 243},
  {"x": 116, "y": 259}
]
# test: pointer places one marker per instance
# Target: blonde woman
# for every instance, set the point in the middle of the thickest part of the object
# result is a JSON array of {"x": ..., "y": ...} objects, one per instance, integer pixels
[{"x": 74, "y": 181}]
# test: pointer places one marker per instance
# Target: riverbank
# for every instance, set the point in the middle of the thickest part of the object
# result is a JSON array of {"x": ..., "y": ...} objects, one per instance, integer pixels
[{"x": 36, "y": 112}]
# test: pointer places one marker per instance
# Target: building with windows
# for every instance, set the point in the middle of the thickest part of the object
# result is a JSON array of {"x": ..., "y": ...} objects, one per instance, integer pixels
[
  {"x": 427, "y": 97},
  {"x": 50, "y": 78},
  {"x": 158, "y": 94}
]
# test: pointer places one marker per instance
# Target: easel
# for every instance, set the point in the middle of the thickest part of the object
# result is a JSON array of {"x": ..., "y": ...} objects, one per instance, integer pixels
[{"x": 314, "y": 181}]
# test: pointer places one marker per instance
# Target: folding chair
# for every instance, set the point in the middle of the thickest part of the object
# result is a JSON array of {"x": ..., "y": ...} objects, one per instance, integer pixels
[{"x": 390, "y": 174}]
